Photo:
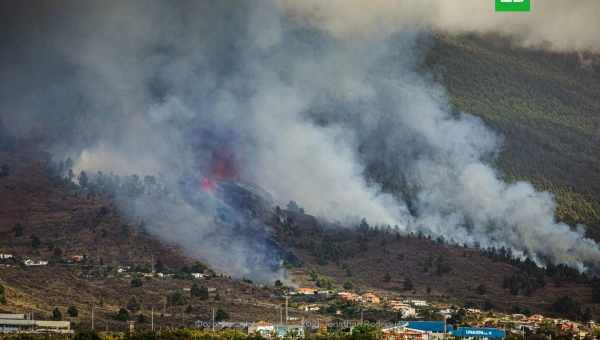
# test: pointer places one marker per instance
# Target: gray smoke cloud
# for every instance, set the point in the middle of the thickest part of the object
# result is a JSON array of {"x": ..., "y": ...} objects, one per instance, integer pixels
[
  {"x": 305, "y": 108},
  {"x": 551, "y": 24}
]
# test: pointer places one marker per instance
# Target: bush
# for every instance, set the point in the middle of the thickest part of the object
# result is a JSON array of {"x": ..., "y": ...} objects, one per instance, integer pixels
[
  {"x": 348, "y": 285},
  {"x": 2, "y": 295},
  {"x": 18, "y": 229},
  {"x": 56, "y": 314},
  {"x": 136, "y": 282},
  {"x": 176, "y": 298},
  {"x": 221, "y": 315},
  {"x": 122, "y": 315},
  {"x": 133, "y": 304},
  {"x": 86, "y": 335},
  {"x": 72, "y": 311},
  {"x": 35, "y": 241},
  {"x": 199, "y": 292}
]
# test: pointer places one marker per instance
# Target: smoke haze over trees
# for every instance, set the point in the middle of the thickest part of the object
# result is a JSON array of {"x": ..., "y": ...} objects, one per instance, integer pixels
[{"x": 260, "y": 92}]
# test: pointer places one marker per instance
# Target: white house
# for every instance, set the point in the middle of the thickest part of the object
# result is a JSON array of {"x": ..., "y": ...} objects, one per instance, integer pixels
[
  {"x": 198, "y": 275},
  {"x": 32, "y": 263},
  {"x": 419, "y": 303}
]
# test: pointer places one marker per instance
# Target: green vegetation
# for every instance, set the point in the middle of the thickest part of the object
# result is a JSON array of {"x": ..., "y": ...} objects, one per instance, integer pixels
[
  {"x": 136, "y": 282},
  {"x": 72, "y": 311},
  {"x": 199, "y": 291},
  {"x": 2, "y": 295},
  {"x": 221, "y": 315},
  {"x": 546, "y": 105},
  {"x": 122, "y": 315},
  {"x": 56, "y": 314}
]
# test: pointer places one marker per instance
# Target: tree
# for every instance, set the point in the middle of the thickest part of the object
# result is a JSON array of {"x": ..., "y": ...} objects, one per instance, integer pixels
[
  {"x": 56, "y": 314},
  {"x": 199, "y": 292},
  {"x": 58, "y": 253},
  {"x": 221, "y": 315},
  {"x": 35, "y": 241},
  {"x": 83, "y": 179},
  {"x": 568, "y": 307},
  {"x": 176, "y": 298},
  {"x": 481, "y": 289},
  {"x": 72, "y": 311},
  {"x": 18, "y": 229},
  {"x": 408, "y": 285},
  {"x": 4, "y": 170},
  {"x": 596, "y": 292},
  {"x": 2, "y": 295},
  {"x": 348, "y": 285},
  {"x": 122, "y": 315},
  {"x": 278, "y": 283},
  {"x": 198, "y": 267},
  {"x": 133, "y": 304},
  {"x": 159, "y": 266},
  {"x": 136, "y": 282},
  {"x": 86, "y": 335},
  {"x": 387, "y": 277}
]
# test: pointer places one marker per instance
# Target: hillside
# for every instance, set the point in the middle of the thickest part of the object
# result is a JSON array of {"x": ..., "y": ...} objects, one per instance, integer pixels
[
  {"x": 547, "y": 107},
  {"x": 384, "y": 261},
  {"x": 69, "y": 223}
]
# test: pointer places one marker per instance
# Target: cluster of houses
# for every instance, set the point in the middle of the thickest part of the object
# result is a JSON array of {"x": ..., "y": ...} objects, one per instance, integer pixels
[
  {"x": 406, "y": 308},
  {"x": 29, "y": 262},
  {"x": 125, "y": 271},
  {"x": 520, "y": 324}
]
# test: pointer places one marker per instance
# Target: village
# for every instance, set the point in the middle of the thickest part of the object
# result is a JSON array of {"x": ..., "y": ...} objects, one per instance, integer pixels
[{"x": 308, "y": 310}]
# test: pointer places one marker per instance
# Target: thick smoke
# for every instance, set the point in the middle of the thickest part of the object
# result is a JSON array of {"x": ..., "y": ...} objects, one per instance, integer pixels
[
  {"x": 303, "y": 107},
  {"x": 552, "y": 24}
]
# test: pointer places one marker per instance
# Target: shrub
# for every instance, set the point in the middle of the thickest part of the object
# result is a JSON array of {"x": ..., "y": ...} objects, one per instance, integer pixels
[{"x": 72, "y": 311}]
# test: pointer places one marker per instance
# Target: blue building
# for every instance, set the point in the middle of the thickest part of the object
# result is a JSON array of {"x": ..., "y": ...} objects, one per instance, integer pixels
[
  {"x": 487, "y": 333},
  {"x": 430, "y": 326}
]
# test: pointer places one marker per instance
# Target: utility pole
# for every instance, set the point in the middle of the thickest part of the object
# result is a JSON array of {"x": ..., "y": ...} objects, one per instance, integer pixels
[
  {"x": 152, "y": 318},
  {"x": 93, "y": 306},
  {"x": 286, "y": 310},
  {"x": 280, "y": 315},
  {"x": 213, "y": 319}
]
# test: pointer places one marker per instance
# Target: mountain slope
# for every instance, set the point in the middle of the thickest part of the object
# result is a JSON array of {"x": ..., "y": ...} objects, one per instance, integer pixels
[{"x": 546, "y": 105}]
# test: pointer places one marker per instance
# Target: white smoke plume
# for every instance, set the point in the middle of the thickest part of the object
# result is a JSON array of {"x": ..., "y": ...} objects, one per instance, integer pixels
[
  {"x": 313, "y": 106},
  {"x": 551, "y": 24}
]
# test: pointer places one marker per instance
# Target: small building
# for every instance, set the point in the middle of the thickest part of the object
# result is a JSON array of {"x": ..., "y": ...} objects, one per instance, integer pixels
[
  {"x": 403, "y": 333},
  {"x": 306, "y": 291},
  {"x": 262, "y": 328},
  {"x": 310, "y": 308},
  {"x": 432, "y": 327},
  {"x": 486, "y": 333},
  {"x": 419, "y": 303},
  {"x": 405, "y": 310},
  {"x": 349, "y": 296},
  {"x": 371, "y": 298},
  {"x": 6, "y": 257},
  {"x": 536, "y": 318},
  {"x": 17, "y": 323},
  {"x": 289, "y": 331},
  {"x": 33, "y": 263},
  {"x": 198, "y": 275}
]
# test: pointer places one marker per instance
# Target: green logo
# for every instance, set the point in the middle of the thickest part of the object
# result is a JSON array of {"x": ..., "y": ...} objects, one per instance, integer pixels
[{"x": 513, "y": 5}]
